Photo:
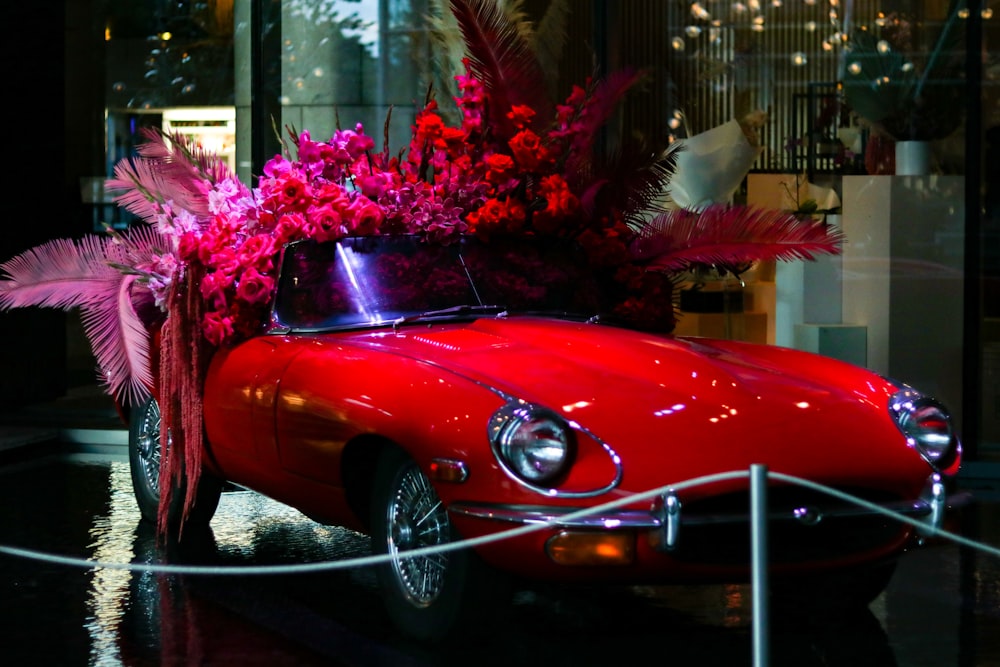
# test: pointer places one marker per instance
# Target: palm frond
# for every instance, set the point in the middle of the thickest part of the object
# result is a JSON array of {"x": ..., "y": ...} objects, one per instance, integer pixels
[
  {"x": 503, "y": 61},
  {"x": 62, "y": 273},
  {"x": 549, "y": 40},
  {"x": 602, "y": 103},
  {"x": 169, "y": 168},
  {"x": 608, "y": 92},
  {"x": 630, "y": 179},
  {"x": 120, "y": 344},
  {"x": 142, "y": 184},
  {"x": 449, "y": 48},
  {"x": 95, "y": 274},
  {"x": 182, "y": 158},
  {"x": 724, "y": 235}
]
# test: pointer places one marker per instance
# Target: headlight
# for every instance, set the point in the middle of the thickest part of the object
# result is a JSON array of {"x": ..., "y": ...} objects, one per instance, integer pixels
[
  {"x": 926, "y": 423},
  {"x": 532, "y": 442}
]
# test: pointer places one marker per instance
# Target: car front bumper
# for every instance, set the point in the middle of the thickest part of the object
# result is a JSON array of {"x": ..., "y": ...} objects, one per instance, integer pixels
[{"x": 816, "y": 523}]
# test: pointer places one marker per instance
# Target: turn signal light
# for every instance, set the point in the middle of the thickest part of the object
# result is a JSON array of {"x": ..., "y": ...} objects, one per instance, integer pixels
[
  {"x": 448, "y": 470},
  {"x": 571, "y": 548}
]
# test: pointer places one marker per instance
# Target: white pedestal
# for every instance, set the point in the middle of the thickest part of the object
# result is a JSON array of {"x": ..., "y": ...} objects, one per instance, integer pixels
[
  {"x": 900, "y": 279},
  {"x": 807, "y": 293},
  {"x": 847, "y": 342},
  {"x": 804, "y": 291},
  {"x": 903, "y": 276}
]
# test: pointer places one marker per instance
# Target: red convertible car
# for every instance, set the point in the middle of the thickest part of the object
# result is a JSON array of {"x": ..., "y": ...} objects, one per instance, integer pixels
[{"x": 429, "y": 394}]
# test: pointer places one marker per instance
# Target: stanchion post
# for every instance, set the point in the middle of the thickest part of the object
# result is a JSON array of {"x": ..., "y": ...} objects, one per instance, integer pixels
[{"x": 758, "y": 563}]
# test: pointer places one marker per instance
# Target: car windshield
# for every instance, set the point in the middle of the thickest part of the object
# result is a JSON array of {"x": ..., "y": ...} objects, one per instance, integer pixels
[{"x": 376, "y": 280}]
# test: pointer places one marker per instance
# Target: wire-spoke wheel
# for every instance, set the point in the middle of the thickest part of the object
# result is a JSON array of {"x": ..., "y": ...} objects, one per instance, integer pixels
[
  {"x": 145, "y": 453},
  {"x": 417, "y": 519},
  {"x": 428, "y": 596}
]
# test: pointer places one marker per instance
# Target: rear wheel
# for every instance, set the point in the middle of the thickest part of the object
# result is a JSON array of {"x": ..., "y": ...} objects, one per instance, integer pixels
[
  {"x": 145, "y": 453},
  {"x": 430, "y": 596}
]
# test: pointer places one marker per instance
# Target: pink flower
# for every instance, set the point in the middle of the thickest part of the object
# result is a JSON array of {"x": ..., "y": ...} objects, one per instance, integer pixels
[
  {"x": 224, "y": 260},
  {"x": 217, "y": 328},
  {"x": 213, "y": 287},
  {"x": 491, "y": 180},
  {"x": 257, "y": 252},
  {"x": 254, "y": 287},
  {"x": 278, "y": 166},
  {"x": 373, "y": 185},
  {"x": 292, "y": 192},
  {"x": 352, "y": 145},
  {"x": 291, "y": 227},
  {"x": 225, "y": 196},
  {"x": 327, "y": 221},
  {"x": 364, "y": 216},
  {"x": 164, "y": 265},
  {"x": 189, "y": 246}
]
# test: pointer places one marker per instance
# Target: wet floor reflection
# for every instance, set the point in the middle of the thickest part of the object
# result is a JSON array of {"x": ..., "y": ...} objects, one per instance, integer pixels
[{"x": 942, "y": 608}]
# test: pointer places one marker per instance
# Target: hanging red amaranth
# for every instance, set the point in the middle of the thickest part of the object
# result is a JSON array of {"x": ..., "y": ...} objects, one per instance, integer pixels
[{"x": 183, "y": 358}]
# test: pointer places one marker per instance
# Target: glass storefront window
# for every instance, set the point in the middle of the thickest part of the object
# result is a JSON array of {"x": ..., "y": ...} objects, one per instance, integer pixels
[{"x": 837, "y": 84}]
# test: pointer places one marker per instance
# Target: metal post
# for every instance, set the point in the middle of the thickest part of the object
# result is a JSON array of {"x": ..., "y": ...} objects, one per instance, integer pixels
[{"x": 758, "y": 562}]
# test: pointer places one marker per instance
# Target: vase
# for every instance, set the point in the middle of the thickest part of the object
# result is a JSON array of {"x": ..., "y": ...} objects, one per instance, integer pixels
[
  {"x": 880, "y": 155},
  {"x": 913, "y": 158}
]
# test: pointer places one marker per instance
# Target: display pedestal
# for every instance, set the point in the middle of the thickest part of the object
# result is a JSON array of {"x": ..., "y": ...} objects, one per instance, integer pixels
[
  {"x": 807, "y": 292},
  {"x": 898, "y": 282},
  {"x": 847, "y": 342},
  {"x": 748, "y": 326},
  {"x": 804, "y": 291},
  {"x": 903, "y": 276}
]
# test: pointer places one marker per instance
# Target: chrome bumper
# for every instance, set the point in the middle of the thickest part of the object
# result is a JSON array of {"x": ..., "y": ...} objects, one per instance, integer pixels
[{"x": 666, "y": 515}]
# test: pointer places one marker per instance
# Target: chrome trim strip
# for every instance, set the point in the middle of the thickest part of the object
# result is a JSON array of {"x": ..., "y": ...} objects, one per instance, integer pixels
[
  {"x": 552, "y": 515},
  {"x": 659, "y": 519}
]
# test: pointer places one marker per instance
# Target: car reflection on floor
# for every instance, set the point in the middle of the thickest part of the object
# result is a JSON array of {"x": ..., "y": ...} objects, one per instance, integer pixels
[{"x": 942, "y": 608}]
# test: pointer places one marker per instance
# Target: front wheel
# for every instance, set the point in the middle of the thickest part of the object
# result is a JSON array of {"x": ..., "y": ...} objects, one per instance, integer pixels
[
  {"x": 145, "y": 452},
  {"x": 428, "y": 597}
]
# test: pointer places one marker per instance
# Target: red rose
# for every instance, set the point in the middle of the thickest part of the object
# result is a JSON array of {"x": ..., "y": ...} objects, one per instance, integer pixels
[{"x": 528, "y": 150}]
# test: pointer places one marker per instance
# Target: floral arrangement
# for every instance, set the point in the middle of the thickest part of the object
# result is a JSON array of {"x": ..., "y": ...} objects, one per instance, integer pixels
[{"x": 198, "y": 271}]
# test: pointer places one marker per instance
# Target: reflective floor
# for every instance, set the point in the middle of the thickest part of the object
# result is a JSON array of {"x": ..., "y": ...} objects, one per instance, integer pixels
[{"x": 941, "y": 609}]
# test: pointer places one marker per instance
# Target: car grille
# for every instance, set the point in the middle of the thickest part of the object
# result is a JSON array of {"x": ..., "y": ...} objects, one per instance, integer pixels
[{"x": 717, "y": 530}]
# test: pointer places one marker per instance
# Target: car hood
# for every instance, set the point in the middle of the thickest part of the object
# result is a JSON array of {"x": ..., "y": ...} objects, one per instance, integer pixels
[
  {"x": 629, "y": 387},
  {"x": 549, "y": 360}
]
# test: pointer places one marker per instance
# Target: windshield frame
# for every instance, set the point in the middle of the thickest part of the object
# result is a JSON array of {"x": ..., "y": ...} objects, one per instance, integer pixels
[{"x": 389, "y": 280}]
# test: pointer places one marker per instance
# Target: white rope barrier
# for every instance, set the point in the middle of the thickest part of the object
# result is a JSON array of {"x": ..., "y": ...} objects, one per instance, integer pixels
[{"x": 299, "y": 568}]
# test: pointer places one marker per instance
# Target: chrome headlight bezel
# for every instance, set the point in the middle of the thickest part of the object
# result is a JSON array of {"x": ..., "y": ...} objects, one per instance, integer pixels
[
  {"x": 534, "y": 444},
  {"x": 927, "y": 426}
]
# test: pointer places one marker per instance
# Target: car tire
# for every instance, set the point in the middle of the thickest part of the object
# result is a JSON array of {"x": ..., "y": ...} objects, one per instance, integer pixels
[
  {"x": 145, "y": 452},
  {"x": 428, "y": 598}
]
